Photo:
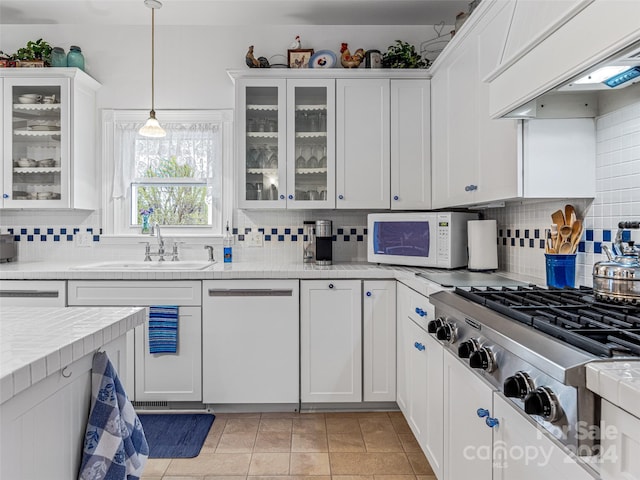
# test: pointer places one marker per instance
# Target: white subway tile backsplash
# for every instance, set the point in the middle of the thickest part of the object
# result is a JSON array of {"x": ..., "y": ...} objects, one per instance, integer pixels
[{"x": 617, "y": 199}]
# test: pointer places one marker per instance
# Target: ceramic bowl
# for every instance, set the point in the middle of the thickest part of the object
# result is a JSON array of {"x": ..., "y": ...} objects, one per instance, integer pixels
[
  {"x": 44, "y": 195},
  {"x": 26, "y": 162},
  {"x": 47, "y": 162},
  {"x": 26, "y": 100}
]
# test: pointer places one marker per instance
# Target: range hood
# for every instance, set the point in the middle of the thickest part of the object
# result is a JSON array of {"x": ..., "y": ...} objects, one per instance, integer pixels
[
  {"x": 581, "y": 96},
  {"x": 617, "y": 73}
]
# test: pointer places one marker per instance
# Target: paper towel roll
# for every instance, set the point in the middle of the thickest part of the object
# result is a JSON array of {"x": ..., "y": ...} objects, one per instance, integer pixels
[{"x": 482, "y": 242}]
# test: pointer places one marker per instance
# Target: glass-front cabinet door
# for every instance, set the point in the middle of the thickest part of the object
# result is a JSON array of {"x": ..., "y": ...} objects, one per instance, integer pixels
[
  {"x": 36, "y": 142},
  {"x": 261, "y": 109},
  {"x": 311, "y": 143}
]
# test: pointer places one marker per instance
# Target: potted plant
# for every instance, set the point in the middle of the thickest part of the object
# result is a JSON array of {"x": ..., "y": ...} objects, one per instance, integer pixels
[
  {"x": 403, "y": 55},
  {"x": 35, "y": 54}
]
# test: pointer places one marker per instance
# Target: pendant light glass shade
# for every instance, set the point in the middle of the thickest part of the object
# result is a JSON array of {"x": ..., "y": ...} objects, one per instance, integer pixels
[{"x": 152, "y": 127}]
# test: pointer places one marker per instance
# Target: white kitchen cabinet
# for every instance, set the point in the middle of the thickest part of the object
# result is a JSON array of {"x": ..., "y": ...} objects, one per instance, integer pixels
[
  {"x": 162, "y": 377},
  {"x": 330, "y": 341},
  {"x": 51, "y": 414},
  {"x": 620, "y": 443},
  {"x": 33, "y": 293},
  {"x": 554, "y": 56},
  {"x": 477, "y": 160},
  {"x": 410, "y": 145},
  {"x": 523, "y": 451},
  {"x": 286, "y": 143},
  {"x": 420, "y": 375},
  {"x": 49, "y": 148},
  {"x": 363, "y": 159},
  {"x": 379, "y": 340},
  {"x": 250, "y": 337},
  {"x": 467, "y": 438}
]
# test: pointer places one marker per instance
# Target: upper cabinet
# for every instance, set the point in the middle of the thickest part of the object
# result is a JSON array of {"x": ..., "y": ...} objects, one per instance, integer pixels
[
  {"x": 49, "y": 138},
  {"x": 477, "y": 160},
  {"x": 333, "y": 139},
  {"x": 363, "y": 155}
]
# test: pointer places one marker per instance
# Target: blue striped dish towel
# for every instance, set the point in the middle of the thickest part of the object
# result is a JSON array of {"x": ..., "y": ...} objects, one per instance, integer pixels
[
  {"x": 114, "y": 447},
  {"x": 163, "y": 329}
]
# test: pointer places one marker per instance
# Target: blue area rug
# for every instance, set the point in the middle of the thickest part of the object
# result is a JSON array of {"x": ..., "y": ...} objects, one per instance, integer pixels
[{"x": 179, "y": 435}]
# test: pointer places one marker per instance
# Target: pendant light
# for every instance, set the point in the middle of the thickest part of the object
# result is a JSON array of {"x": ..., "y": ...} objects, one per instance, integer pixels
[{"x": 152, "y": 127}]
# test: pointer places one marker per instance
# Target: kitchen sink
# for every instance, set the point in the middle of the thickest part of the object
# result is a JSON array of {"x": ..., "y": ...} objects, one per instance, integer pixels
[{"x": 141, "y": 265}]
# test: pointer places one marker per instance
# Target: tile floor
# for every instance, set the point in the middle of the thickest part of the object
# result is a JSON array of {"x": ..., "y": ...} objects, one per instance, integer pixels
[{"x": 311, "y": 446}]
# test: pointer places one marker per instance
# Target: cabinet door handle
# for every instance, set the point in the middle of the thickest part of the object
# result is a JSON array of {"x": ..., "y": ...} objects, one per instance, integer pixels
[
  {"x": 331, "y": 285},
  {"x": 341, "y": 197},
  {"x": 290, "y": 197},
  {"x": 470, "y": 188},
  {"x": 5, "y": 195},
  {"x": 395, "y": 197},
  {"x": 492, "y": 422},
  {"x": 421, "y": 312},
  {"x": 482, "y": 412},
  {"x": 281, "y": 197},
  {"x": 368, "y": 294},
  {"x": 419, "y": 346}
]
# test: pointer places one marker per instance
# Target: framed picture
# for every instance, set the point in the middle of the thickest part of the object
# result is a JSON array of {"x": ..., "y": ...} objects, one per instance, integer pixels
[{"x": 299, "y": 58}]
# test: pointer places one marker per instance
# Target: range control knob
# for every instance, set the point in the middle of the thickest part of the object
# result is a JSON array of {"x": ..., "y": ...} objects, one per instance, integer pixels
[
  {"x": 483, "y": 359},
  {"x": 518, "y": 385},
  {"x": 446, "y": 333},
  {"x": 467, "y": 347},
  {"x": 543, "y": 402},
  {"x": 433, "y": 325}
]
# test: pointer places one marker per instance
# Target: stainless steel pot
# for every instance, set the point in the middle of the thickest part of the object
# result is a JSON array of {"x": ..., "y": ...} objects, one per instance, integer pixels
[{"x": 618, "y": 278}]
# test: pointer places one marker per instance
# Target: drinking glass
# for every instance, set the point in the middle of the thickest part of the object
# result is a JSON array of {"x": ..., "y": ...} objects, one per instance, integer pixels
[
  {"x": 322, "y": 163},
  {"x": 262, "y": 159},
  {"x": 301, "y": 162},
  {"x": 312, "y": 161}
]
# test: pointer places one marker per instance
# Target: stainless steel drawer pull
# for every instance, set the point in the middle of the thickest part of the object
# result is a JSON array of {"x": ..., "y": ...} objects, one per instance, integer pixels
[
  {"x": 29, "y": 293},
  {"x": 250, "y": 292}
]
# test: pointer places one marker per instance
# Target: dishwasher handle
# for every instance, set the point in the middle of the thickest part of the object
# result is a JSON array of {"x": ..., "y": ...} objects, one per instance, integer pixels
[
  {"x": 250, "y": 292},
  {"x": 29, "y": 293}
]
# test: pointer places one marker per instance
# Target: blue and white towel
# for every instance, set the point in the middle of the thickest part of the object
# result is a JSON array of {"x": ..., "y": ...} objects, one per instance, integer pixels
[
  {"x": 163, "y": 329},
  {"x": 115, "y": 447}
]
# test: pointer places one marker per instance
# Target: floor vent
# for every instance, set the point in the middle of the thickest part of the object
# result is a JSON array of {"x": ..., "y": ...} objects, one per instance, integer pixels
[{"x": 150, "y": 404}]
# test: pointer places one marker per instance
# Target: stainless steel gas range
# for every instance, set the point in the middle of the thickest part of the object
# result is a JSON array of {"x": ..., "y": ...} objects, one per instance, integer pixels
[{"x": 533, "y": 343}]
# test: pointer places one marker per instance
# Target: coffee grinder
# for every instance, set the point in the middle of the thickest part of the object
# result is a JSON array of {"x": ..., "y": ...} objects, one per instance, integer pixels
[{"x": 324, "y": 242}]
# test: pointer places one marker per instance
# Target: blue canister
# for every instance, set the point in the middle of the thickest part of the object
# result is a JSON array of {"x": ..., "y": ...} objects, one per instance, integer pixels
[
  {"x": 75, "y": 58},
  {"x": 58, "y": 57},
  {"x": 561, "y": 270}
]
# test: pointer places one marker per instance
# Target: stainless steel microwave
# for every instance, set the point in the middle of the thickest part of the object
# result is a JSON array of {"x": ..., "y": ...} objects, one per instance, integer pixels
[{"x": 421, "y": 239}]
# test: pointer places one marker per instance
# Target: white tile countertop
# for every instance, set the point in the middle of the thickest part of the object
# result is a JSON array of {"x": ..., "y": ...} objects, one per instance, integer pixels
[
  {"x": 240, "y": 270},
  {"x": 37, "y": 342},
  {"x": 617, "y": 382}
]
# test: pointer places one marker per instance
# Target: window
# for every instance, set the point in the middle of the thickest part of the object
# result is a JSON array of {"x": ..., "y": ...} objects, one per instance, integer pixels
[{"x": 177, "y": 181}]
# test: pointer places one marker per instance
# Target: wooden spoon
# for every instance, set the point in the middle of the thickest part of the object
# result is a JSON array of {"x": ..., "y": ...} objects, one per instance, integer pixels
[
  {"x": 557, "y": 217},
  {"x": 569, "y": 214},
  {"x": 565, "y": 245},
  {"x": 576, "y": 234}
]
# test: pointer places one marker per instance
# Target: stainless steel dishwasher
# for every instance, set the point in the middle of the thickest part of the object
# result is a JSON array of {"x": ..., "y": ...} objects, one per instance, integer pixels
[{"x": 250, "y": 343}]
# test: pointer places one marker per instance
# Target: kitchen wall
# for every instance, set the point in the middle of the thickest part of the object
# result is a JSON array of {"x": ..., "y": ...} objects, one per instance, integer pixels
[
  {"x": 191, "y": 64},
  {"x": 617, "y": 199}
]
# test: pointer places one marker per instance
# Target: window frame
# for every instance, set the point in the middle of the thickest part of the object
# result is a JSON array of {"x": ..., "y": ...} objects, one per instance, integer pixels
[{"x": 117, "y": 212}]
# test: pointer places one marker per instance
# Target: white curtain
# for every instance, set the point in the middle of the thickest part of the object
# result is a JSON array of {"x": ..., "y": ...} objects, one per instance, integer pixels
[{"x": 195, "y": 144}]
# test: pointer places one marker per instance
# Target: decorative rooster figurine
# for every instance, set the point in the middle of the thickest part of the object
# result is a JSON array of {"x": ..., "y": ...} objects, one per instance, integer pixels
[
  {"x": 350, "y": 61},
  {"x": 252, "y": 62},
  {"x": 296, "y": 45}
]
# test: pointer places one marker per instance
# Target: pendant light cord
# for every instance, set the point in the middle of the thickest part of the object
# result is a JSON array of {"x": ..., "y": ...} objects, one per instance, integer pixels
[{"x": 153, "y": 88}]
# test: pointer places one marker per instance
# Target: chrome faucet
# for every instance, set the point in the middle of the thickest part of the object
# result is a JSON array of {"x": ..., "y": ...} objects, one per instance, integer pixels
[
  {"x": 160, "y": 242},
  {"x": 155, "y": 231}
]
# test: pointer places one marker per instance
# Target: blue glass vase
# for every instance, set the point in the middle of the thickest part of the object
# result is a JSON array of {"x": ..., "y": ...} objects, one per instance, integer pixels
[{"x": 145, "y": 224}]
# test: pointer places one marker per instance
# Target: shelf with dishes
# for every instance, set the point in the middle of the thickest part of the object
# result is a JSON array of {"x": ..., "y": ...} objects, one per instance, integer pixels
[
  {"x": 262, "y": 108},
  {"x": 36, "y": 107},
  {"x": 42, "y": 131},
  {"x": 37, "y": 169},
  {"x": 310, "y": 108}
]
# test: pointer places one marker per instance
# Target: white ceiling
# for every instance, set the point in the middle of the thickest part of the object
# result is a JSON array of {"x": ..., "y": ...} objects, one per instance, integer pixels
[{"x": 232, "y": 12}]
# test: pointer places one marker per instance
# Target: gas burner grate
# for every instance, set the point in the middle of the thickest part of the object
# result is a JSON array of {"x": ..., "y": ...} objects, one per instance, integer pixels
[{"x": 570, "y": 315}]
